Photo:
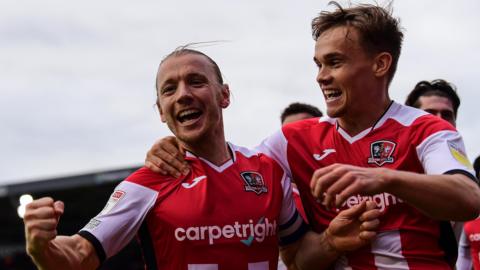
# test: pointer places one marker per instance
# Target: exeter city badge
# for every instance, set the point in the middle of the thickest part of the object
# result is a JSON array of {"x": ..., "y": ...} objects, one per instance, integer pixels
[
  {"x": 254, "y": 182},
  {"x": 381, "y": 152}
]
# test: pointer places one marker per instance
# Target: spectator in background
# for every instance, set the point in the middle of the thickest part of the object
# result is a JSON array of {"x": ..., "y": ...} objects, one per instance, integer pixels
[
  {"x": 299, "y": 111},
  {"x": 437, "y": 97},
  {"x": 469, "y": 248}
]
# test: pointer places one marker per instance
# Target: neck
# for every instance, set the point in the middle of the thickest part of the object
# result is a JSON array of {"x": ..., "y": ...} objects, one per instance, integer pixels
[
  {"x": 213, "y": 149},
  {"x": 357, "y": 122}
]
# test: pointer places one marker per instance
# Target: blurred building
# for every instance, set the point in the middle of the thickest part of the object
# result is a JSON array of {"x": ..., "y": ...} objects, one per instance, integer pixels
[{"x": 84, "y": 196}]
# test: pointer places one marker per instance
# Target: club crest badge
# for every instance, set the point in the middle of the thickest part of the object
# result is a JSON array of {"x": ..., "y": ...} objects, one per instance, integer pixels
[
  {"x": 381, "y": 152},
  {"x": 254, "y": 182}
]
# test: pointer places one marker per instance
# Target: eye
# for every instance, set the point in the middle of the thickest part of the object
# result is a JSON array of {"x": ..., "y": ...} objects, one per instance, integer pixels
[
  {"x": 197, "y": 81},
  {"x": 168, "y": 89},
  {"x": 447, "y": 115},
  {"x": 335, "y": 63}
]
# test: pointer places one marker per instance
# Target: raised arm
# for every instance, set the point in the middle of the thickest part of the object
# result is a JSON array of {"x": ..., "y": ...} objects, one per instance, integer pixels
[{"x": 46, "y": 248}]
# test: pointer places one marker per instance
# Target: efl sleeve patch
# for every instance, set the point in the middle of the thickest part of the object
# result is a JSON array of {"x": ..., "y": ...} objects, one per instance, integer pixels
[
  {"x": 459, "y": 155},
  {"x": 443, "y": 151},
  {"x": 118, "y": 222}
]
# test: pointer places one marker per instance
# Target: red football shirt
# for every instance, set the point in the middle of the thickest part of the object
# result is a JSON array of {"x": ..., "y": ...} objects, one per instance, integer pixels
[
  {"x": 227, "y": 217},
  {"x": 405, "y": 139},
  {"x": 469, "y": 250}
]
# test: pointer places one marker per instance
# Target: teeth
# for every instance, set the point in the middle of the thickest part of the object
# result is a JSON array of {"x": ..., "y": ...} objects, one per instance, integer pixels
[
  {"x": 332, "y": 93},
  {"x": 187, "y": 112}
]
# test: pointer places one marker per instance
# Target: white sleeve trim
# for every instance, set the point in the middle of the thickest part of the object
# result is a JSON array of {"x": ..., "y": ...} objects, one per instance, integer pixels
[
  {"x": 436, "y": 153},
  {"x": 116, "y": 225},
  {"x": 464, "y": 261},
  {"x": 275, "y": 146}
]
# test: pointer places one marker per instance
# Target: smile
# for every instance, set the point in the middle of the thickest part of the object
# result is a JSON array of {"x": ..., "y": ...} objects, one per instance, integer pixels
[
  {"x": 189, "y": 115},
  {"x": 331, "y": 95}
]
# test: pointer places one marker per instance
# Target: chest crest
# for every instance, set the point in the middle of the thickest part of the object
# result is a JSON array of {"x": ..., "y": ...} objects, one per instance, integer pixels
[
  {"x": 254, "y": 182},
  {"x": 381, "y": 152}
]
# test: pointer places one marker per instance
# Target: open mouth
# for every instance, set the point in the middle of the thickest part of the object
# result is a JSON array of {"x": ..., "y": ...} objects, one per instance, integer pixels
[
  {"x": 188, "y": 115},
  {"x": 332, "y": 94}
]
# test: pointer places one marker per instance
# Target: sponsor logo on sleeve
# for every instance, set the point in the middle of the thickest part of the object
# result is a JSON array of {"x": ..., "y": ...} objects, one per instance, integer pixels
[
  {"x": 381, "y": 152},
  {"x": 92, "y": 224},
  {"x": 254, "y": 182},
  {"x": 116, "y": 196},
  {"x": 459, "y": 155}
]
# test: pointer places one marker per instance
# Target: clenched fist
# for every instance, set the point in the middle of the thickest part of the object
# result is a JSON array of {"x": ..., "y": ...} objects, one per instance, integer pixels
[{"x": 41, "y": 220}]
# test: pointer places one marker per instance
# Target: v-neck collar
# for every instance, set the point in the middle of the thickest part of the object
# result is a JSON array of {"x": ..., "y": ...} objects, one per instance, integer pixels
[
  {"x": 381, "y": 120},
  {"x": 221, "y": 168}
]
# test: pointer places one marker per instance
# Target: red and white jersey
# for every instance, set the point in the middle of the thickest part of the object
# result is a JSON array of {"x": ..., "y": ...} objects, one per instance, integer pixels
[
  {"x": 298, "y": 202},
  {"x": 405, "y": 139},
  {"x": 227, "y": 217},
  {"x": 469, "y": 247}
]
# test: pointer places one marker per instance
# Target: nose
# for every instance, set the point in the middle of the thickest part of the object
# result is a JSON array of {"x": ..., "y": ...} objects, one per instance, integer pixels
[
  {"x": 324, "y": 77},
  {"x": 184, "y": 93}
]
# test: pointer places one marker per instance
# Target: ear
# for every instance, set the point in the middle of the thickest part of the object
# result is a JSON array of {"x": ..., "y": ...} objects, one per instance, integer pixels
[
  {"x": 162, "y": 115},
  {"x": 225, "y": 96},
  {"x": 382, "y": 64}
]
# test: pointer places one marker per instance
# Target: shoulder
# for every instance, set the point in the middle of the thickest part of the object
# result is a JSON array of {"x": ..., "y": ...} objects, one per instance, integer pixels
[
  {"x": 147, "y": 178},
  {"x": 307, "y": 126},
  {"x": 418, "y": 122},
  {"x": 253, "y": 157},
  {"x": 246, "y": 155}
]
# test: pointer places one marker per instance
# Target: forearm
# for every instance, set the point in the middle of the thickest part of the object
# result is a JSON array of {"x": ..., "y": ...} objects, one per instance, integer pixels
[
  {"x": 315, "y": 252},
  {"x": 66, "y": 252},
  {"x": 444, "y": 197}
]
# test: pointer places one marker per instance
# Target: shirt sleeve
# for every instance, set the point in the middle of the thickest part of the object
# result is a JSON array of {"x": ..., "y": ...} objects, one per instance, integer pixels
[
  {"x": 292, "y": 226},
  {"x": 444, "y": 152},
  {"x": 275, "y": 146},
  {"x": 115, "y": 226},
  {"x": 464, "y": 261}
]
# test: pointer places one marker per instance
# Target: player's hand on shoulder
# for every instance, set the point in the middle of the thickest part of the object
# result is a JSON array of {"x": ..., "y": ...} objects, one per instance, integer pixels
[
  {"x": 166, "y": 157},
  {"x": 41, "y": 219},
  {"x": 354, "y": 227},
  {"x": 334, "y": 184}
]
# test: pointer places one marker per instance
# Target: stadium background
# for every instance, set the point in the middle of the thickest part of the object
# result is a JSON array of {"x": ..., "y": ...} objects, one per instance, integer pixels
[{"x": 84, "y": 196}]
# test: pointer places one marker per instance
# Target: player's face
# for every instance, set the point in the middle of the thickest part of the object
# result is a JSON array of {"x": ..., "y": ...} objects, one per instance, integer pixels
[
  {"x": 439, "y": 106},
  {"x": 345, "y": 72},
  {"x": 296, "y": 117},
  {"x": 191, "y": 98}
]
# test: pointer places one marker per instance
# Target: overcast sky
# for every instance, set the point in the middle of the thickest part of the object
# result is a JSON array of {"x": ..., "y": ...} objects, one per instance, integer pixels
[{"x": 77, "y": 77}]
